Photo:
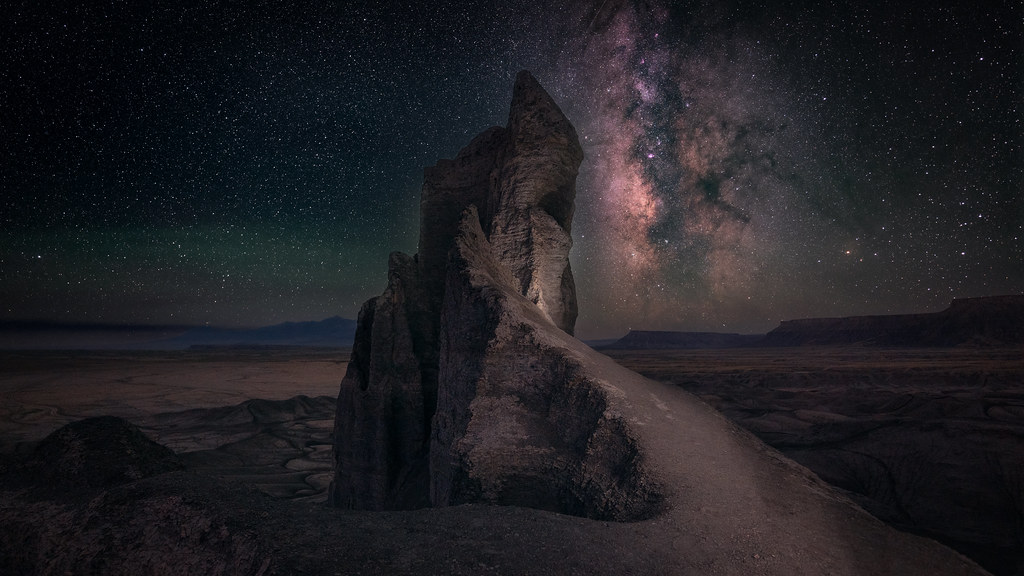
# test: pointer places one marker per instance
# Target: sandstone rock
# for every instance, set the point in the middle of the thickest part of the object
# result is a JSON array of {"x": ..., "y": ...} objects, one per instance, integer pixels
[
  {"x": 386, "y": 401},
  {"x": 448, "y": 188},
  {"x": 531, "y": 206},
  {"x": 518, "y": 420},
  {"x": 521, "y": 178}
]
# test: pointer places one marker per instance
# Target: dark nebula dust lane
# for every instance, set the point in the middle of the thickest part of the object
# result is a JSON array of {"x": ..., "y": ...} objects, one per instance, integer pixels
[{"x": 746, "y": 162}]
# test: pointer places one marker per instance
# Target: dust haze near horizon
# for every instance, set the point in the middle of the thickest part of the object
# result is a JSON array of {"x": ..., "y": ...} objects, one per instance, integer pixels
[{"x": 746, "y": 162}]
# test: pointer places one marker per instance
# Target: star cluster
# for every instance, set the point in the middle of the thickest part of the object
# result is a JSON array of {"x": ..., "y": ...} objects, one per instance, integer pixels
[{"x": 249, "y": 163}]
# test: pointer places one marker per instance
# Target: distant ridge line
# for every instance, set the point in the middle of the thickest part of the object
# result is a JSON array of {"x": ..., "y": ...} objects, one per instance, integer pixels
[
  {"x": 982, "y": 321},
  {"x": 331, "y": 332},
  {"x": 669, "y": 340},
  {"x": 985, "y": 321}
]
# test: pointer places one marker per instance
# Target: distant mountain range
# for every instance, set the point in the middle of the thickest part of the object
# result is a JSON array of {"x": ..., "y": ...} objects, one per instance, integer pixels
[
  {"x": 667, "y": 340},
  {"x": 332, "y": 332},
  {"x": 986, "y": 321}
]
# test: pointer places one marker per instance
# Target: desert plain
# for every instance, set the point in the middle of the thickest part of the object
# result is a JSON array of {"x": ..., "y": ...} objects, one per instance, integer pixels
[
  {"x": 929, "y": 440},
  {"x": 259, "y": 416}
]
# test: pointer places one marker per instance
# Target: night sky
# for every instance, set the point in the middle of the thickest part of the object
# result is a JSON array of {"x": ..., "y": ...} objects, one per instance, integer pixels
[{"x": 247, "y": 163}]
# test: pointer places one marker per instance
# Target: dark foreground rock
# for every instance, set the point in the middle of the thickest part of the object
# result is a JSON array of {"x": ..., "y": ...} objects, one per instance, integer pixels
[
  {"x": 98, "y": 453},
  {"x": 735, "y": 507}
]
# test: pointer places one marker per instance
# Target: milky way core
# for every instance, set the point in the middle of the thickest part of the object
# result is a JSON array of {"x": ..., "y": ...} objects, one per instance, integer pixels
[
  {"x": 712, "y": 197},
  {"x": 684, "y": 149}
]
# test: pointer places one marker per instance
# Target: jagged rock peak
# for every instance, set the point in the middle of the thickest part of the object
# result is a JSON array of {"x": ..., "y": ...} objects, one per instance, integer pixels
[
  {"x": 535, "y": 118},
  {"x": 521, "y": 179},
  {"x": 532, "y": 199}
]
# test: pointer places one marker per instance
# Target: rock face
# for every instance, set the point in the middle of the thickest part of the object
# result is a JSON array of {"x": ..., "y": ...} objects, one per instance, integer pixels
[
  {"x": 382, "y": 425},
  {"x": 519, "y": 421},
  {"x": 521, "y": 181}
]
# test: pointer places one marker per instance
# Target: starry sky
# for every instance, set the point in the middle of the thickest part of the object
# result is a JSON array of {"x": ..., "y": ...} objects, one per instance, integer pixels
[{"x": 244, "y": 163}]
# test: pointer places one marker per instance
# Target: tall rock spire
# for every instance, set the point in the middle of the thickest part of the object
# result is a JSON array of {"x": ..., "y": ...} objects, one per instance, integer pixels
[
  {"x": 534, "y": 199},
  {"x": 521, "y": 179}
]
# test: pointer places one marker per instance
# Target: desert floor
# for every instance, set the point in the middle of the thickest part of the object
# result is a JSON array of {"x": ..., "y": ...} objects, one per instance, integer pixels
[
  {"x": 930, "y": 440},
  {"x": 264, "y": 417}
]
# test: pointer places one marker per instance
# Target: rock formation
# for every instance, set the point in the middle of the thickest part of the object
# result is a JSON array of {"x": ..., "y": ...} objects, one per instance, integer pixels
[
  {"x": 466, "y": 387},
  {"x": 99, "y": 452},
  {"x": 520, "y": 180},
  {"x": 519, "y": 420}
]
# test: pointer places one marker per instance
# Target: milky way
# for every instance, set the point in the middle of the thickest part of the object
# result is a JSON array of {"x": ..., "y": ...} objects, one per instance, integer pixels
[
  {"x": 746, "y": 162},
  {"x": 686, "y": 145},
  {"x": 711, "y": 199}
]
